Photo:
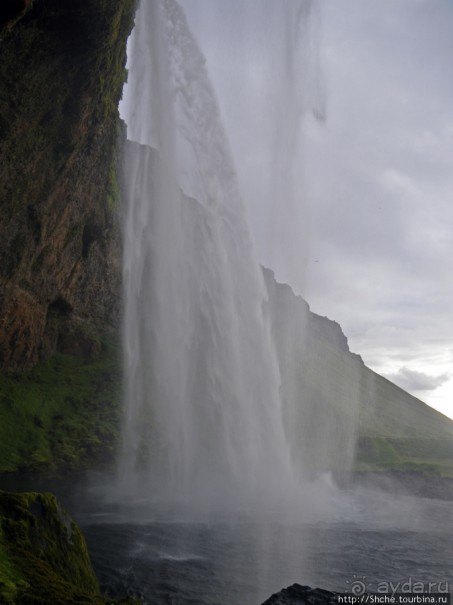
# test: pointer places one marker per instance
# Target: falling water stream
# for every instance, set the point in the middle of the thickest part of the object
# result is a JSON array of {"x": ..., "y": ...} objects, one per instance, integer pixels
[{"x": 203, "y": 410}]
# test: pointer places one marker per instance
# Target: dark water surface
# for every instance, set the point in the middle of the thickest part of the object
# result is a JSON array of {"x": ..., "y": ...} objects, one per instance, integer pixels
[
  {"x": 222, "y": 565},
  {"x": 363, "y": 539}
]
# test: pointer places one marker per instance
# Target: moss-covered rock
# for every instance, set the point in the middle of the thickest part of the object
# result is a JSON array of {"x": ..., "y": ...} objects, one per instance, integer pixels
[{"x": 43, "y": 554}]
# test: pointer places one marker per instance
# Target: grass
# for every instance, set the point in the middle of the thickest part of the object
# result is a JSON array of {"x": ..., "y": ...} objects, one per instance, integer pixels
[
  {"x": 63, "y": 415},
  {"x": 423, "y": 455}
]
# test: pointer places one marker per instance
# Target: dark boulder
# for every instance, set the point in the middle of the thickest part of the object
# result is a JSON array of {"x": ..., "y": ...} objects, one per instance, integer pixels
[{"x": 302, "y": 595}]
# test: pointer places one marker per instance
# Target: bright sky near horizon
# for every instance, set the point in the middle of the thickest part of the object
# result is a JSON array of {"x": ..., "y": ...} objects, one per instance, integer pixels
[{"x": 375, "y": 178}]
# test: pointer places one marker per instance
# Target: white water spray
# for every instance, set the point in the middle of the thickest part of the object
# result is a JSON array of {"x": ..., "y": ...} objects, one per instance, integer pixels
[{"x": 203, "y": 413}]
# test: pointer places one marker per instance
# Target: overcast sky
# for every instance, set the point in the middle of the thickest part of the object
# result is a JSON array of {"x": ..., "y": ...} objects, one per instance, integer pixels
[{"x": 341, "y": 126}]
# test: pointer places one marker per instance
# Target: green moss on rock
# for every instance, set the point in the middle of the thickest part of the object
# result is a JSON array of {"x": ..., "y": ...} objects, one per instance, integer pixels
[{"x": 43, "y": 555}]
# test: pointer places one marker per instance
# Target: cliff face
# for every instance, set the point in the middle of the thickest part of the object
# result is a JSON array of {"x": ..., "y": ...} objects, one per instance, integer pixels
[{"x": 61, "y": 75}]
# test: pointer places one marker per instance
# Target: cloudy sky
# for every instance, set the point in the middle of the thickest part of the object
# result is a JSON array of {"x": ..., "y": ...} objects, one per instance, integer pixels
[{"x": 340, "y": 118}]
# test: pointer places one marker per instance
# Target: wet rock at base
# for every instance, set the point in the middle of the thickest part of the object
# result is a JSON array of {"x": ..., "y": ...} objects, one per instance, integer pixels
[
  {"x": 43, "y": 555},
  {"x": 302, "y": 595}
]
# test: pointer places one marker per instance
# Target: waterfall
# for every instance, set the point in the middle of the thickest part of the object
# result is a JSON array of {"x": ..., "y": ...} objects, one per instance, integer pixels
[{"x": 203, "y": 415}]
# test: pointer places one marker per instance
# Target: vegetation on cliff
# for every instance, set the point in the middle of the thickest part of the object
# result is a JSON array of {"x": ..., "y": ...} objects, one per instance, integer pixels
[
  {"x": 62, "y": 416},
  {"x": 398, "y": 432}
]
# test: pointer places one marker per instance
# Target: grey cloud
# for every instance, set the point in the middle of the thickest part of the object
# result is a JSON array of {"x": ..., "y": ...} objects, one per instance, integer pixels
[{"x": 410, "y": 380}]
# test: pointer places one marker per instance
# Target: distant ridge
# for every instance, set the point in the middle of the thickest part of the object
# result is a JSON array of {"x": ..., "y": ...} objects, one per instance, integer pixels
[{"x": 334, "y": 391}]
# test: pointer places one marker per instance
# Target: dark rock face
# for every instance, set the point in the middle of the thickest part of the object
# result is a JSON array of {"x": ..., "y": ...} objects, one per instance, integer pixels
[
  {"x": 13, "y": 10},
  {"x": 302, "y": 595},
  {"x": 61, "y": 77}
]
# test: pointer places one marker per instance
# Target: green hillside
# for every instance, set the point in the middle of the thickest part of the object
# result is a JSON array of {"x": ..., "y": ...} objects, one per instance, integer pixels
[
  {"x": 400, "y": 432},
  {"x": 341, "y": 414}
]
